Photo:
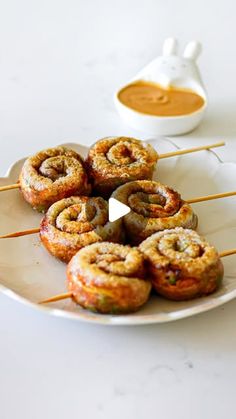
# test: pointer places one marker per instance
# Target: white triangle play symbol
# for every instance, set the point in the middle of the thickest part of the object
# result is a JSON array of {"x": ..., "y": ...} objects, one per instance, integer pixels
[{"x": 116, "y": 209}]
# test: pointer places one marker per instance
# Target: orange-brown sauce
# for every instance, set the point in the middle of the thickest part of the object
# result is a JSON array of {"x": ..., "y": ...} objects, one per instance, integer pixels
[{"x": 150, "y": 98}]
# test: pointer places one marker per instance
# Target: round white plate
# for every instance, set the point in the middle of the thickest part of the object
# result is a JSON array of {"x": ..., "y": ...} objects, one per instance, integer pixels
[{"x": 29, "y": 274}]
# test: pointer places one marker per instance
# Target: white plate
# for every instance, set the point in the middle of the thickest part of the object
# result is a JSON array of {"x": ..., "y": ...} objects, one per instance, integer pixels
[{"x": 29, "y": 274}]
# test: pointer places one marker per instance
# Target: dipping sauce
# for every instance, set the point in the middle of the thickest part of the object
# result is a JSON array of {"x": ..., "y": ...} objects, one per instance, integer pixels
[{"x": 152, "y": 99}]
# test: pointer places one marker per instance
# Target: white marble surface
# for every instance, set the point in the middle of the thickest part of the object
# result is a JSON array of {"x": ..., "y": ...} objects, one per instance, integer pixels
[{"x": 60, "y": 62}]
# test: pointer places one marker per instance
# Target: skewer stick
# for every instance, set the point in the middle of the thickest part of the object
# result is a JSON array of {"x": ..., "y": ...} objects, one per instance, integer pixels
[
  {"x": 20, "y": 233},
  {"x": 161, "y": 156},
  {"x": 65, "y": 295},
  {"x": 190, "y": 150},
  {"x": 210, "y": 197},
  {"x": 189, "y": 201},
  {"x": 227, "y": 253},
  {"x": 57, "y": 297},
  {"x": 8, "y": 187}
]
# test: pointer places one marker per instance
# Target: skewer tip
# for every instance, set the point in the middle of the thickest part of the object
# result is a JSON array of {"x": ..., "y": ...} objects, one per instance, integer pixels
[
  {"x": 58, "y": 297},
  {"x": 20, "y": 233},
  {"x": 9, "y": 187},
  {"x": 227, "y": 253}
]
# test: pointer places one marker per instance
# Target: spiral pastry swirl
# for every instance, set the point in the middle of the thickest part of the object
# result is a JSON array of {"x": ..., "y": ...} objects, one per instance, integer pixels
[
  {"x": 51, "y": 175},
  {"x": 113, "y": 161},
  {"x": 154, "y": 207},
  {"x": 75, "y": 222},
  {"x": 182, "y": 265},
  {"x": 108, "y": 278}
]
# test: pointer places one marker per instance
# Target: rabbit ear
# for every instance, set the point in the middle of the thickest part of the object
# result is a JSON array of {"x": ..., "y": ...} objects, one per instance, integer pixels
[
  {"x": 192, "y": 50},
  {"x": 170, "y": 46}
]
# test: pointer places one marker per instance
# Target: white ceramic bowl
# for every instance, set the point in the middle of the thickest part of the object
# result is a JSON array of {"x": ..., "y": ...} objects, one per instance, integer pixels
[{"x": 168, "y": 70}]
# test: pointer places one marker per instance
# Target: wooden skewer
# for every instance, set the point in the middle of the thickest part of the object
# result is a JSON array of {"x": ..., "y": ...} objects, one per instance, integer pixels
[
  {"x": 57, "y": 297},
  {"x": 210, "y": 197},
  {"x": 20, "y": 233},
  {"x": 8, "y": 187},
  {"x": 190, "y": 201},
  {"x": 161, "y": 156},
  {"x": 65, "y": 295},
  {"x": 190, "y": 150},
  {"x": 227, "y": 253}
]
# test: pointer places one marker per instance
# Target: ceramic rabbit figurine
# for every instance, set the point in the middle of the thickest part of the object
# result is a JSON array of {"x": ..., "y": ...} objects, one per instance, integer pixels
[
  {"x": 169, "y": 69},
  {"x": 173, "y": 69}
]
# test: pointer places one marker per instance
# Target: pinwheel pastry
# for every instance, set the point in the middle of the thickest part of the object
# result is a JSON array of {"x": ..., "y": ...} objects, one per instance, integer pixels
[
  {"x": 51, "y": 175},
  {"x": 182, "y": 265},
  {"x": 154, "y": 207},
  {"x": 108, "y": 278},
  {"x": 75, "y": 222},
  {"x": 113, "y": 161}
]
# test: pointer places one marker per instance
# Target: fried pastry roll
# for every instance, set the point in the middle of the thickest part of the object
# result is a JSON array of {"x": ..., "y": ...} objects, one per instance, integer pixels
[
  {"x": 113, "y": 161},
  {"x": 182, "y": 265},
  {"x": 75, "y": 222},
  {"x": 154, "y": 207},
  {"x": 108, "y": 278},
  {"x": 51, "y": 175}
]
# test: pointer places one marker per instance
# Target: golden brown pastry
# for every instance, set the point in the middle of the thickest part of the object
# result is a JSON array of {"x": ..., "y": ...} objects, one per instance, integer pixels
[
  {"x": 154, "y": 207},
  {"x": 51, "y": 175},
  {"x": 113, "y": 161},
  {"x": 182, "y": 265},
  {"x": 108, "y": 278},
  {"x": 75, "y": 222}
]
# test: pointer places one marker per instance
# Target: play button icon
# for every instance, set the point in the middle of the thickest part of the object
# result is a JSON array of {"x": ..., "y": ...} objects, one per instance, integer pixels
[{"x": 116, "y": 209}]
